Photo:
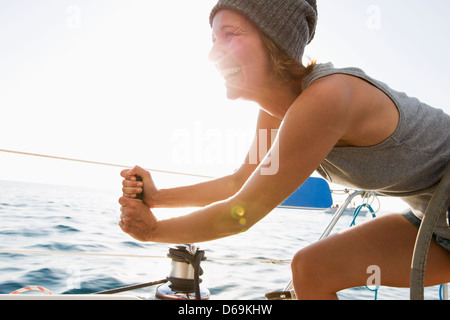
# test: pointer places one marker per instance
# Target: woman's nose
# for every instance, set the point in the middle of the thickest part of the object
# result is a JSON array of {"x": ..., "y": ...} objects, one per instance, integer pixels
[{"x": 216, "y": 53}]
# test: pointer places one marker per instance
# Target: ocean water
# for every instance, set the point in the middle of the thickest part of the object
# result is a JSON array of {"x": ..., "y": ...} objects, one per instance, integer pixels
[{"x": 39, "y": 217}]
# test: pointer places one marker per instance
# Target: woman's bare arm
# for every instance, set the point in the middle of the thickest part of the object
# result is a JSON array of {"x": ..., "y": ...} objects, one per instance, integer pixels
[
  {"x": 312, "y": 127},
  {"x": 204, "y": 193}
]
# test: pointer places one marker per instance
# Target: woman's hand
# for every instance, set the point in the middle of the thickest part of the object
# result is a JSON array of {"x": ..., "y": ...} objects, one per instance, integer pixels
[
  {"x": 137, "y": 219},
  {"x": 132, "y": 187}
]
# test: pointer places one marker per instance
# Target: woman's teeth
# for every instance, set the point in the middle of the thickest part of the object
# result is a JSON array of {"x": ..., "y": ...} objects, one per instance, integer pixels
[{"x": 230, "y": 72}]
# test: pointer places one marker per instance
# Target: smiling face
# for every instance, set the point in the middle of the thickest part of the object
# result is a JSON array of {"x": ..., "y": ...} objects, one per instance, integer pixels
[{"x": 240, "y": 56}]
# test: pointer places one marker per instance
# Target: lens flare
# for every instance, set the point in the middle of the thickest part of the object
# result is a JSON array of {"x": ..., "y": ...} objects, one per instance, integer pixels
[{"x": 238, "y": 213}]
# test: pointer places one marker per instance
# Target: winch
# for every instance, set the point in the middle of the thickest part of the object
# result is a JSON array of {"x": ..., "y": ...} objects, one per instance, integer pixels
[{"x": 184, "y": 281}]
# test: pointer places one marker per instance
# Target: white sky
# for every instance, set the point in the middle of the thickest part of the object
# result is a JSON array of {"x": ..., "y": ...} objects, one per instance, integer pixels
[{"x": 130, "y": 82}]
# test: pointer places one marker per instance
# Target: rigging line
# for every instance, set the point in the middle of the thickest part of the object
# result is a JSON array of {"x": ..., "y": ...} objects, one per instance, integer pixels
[
  {"x": 101, "y": 163},
  {"x": 118, "y": 255},
  {"x": 72, "y": 253},
  {"x": 133, "y": 287}
]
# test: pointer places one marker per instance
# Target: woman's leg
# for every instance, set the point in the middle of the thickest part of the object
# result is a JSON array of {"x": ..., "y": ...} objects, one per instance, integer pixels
[{"x": 341, "y": 261}]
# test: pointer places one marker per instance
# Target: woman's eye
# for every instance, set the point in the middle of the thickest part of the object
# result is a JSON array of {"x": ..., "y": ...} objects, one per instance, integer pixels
[{"x": 229, "y": 35}]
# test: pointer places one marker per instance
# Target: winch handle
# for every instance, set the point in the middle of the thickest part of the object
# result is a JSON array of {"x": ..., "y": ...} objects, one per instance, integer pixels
[{"x": 139, "y": 196}]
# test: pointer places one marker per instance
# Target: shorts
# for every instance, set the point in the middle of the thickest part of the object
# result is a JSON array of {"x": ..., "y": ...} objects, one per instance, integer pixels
[{"x": 415, "y": 221}]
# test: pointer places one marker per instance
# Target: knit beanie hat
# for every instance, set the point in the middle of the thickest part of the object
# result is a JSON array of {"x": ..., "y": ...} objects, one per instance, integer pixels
[{"x": 290, "y": 24}]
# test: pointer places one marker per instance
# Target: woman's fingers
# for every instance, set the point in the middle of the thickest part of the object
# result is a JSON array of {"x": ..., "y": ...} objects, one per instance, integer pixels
[
  {"x": 131, "y": 186},
  {"x": 136, "y": 219},
  {"x": 131, "y": 192},
  {"x": 126, "y": 174}
]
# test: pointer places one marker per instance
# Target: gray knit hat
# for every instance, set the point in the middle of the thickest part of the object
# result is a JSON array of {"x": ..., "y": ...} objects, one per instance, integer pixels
[{"x": 291, "y": 24}]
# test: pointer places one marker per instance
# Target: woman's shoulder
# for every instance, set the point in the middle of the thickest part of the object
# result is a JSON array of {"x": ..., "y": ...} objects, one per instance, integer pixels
[
  {"x": 366, "y": 115},
  {"x": 328, "y": 100},
  {"x": 322, "y": 70}
]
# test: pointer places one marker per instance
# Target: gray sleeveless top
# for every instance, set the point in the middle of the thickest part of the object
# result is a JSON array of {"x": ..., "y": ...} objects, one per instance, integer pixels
[{"x": 409, "y": 164}]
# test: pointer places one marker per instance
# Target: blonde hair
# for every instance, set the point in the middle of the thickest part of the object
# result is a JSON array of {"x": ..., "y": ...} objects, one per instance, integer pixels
[{"x": 286, "y": 67}]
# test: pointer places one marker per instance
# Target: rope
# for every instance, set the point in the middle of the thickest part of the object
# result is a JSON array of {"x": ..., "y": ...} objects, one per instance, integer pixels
[
  {"x": 133, "y": 287},
  {"x": 101, "y": 163},
  {"x": 355, "y": 215},
  {"x": 358, "y": 210},
  {"x": 91, "y": 254},
  {"x": 374, "y": 290},
  {"x": 196, "y": 281},
  {"x": 79, "y": 254},
  {"x": 185, "y": 285}
]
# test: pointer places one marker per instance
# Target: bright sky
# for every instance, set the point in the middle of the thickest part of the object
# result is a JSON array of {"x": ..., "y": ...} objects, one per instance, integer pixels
[{"x": 130, "y": 82}]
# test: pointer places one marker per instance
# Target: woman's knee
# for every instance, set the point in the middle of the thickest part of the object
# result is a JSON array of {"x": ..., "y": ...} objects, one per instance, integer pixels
[
  {"x": 304, "y": 266},
  {"x": 300, "y": 272},
  {"x": 309, "y": 276},
  {"x": 297, "y": 262}
]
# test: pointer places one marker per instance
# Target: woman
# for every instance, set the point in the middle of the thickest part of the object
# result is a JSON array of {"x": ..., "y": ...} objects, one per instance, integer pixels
[{"x": 353, "y": 129}]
